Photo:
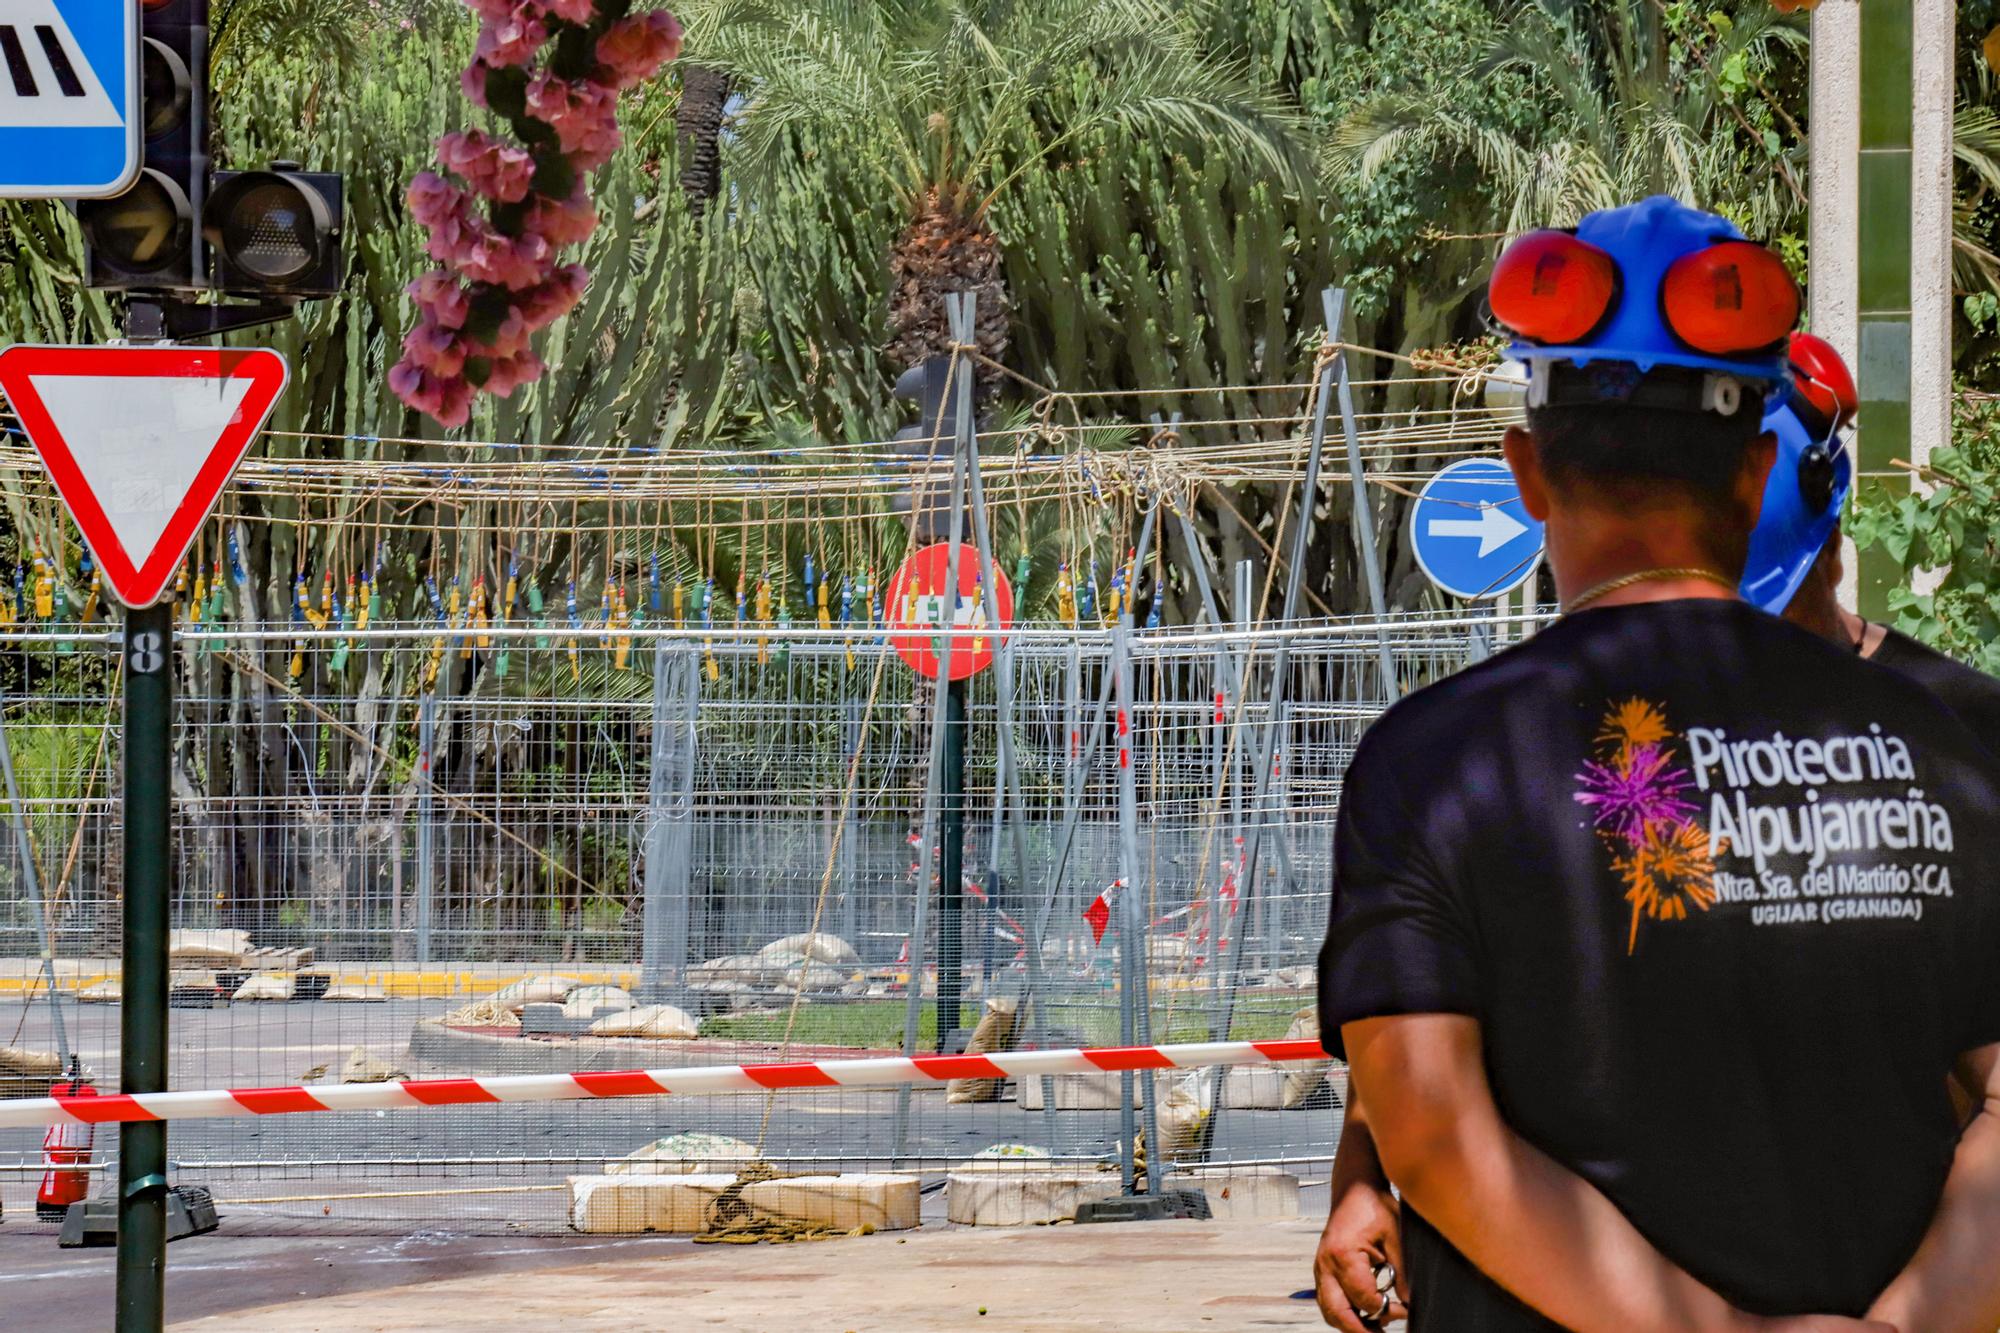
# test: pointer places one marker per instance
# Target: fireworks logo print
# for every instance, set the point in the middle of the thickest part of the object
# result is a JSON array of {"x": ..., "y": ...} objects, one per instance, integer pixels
[{"x": 1640, "y": 801}]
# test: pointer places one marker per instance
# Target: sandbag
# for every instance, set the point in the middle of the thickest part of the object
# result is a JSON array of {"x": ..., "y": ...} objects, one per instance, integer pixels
[
  {"x": 207, "y": 947},
  {"x": 810, "y": 977},
  {"x": 101, "y": 992},
  {"x": 648, "y": 1020},
  {"x": 1184, "y": 1110},
  {"x": 994, "y": 1033},
  {"x": 365, "y": 994},
  {"x": 1303, "y": 1080},
  {"x": 585, "y": 1001},
  {"x": 266, "y": 986},
  {"x": 490, "y": 1012},
  {"x": 29, "y": 1064},
  {"x": 361, "y": 1067},
  {"x": 684, "y": 1154},
  {"x": 820, "y": 948},
  {"x": 535, "y": 990},
  {"x": 732, "y": 975}
]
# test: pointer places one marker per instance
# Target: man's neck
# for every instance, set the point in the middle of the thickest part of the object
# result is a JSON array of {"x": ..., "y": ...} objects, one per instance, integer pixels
[{"x": 1587, "y": 550}]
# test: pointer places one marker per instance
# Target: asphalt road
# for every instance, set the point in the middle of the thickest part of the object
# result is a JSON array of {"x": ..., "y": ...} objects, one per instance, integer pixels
[{"x": 318, "y": 1204}]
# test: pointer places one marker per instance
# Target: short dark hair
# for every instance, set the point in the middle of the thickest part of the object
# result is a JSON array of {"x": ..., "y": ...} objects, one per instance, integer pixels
[{"x": 1639, "y": 458}]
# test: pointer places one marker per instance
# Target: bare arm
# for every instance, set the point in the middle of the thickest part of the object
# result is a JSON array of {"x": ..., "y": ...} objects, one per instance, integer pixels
[
  {"x": 1363, "y": 1231},
  {"x": 1531, "y": 1225},
  {"x": 1953, "y": 1281}
]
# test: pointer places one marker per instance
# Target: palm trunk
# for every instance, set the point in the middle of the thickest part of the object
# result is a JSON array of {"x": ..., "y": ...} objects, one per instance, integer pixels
[{"x": 698, "y": 126}]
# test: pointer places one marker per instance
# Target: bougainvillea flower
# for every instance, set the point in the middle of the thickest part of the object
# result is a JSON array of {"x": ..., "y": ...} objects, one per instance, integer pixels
[
  {"x": 435, "y": 348},
  {"x": 563, "y": 221},
  {"x": 635, "y": 47},
  {"x": 493, "y": 169},
  {"x": 544, "y": 304},
  {"x": 514, "y": 40},
  {"x": 439, "y": 295},
  {"x": 583, "y": 114}
]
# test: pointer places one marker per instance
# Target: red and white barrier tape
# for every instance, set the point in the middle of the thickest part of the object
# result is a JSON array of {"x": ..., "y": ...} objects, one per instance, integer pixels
[{"x": 879, "y": 1072}]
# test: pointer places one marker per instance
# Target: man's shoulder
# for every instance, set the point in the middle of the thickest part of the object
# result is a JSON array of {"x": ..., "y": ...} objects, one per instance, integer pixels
[{"x": 1967, "y": 691}]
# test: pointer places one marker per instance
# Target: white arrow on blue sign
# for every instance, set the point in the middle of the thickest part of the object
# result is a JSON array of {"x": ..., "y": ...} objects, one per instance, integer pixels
[
  {"x": 69, "y": 98},
  {"x": 1472, "y": 535}
]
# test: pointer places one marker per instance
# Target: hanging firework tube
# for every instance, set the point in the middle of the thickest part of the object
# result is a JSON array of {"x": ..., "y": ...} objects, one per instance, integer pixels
[
  {"x": 1066, "y": 596},
  {"x": 19, "y": 597},
  {"x": 784, "y": 629},
  {"x": 538, "y": 608},
  {"x": 621, "y": 651},
  {"x": 507, "y": 598},
  {"x": 1086, "y": 595},
  {"x": 654, "y": 593},
  {"x": 300, "y": 600},
  {"x": 847, "y": 615},
  {"x": 218, "y": 600},
  {"x": 708, "y": 627},
  {"x": 1022, "y": 568},
  {"x": 430, "y": 673},
  {"x": 343, "y": 610},
  {"x": 92, "y": 598},
  {"x": 764, "y": 617},
  {"x": 478, "y": 619},
  {"x": 576, "y": 628}
]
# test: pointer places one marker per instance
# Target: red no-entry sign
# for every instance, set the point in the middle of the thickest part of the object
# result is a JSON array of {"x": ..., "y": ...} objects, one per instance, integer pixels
[
  {"x": 917, "y": 607},
  {"x": 139, "y": 442}
]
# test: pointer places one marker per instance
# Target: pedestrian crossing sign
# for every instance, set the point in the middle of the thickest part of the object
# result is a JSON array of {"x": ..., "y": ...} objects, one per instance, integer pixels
[{"x": 69, "y": 98}]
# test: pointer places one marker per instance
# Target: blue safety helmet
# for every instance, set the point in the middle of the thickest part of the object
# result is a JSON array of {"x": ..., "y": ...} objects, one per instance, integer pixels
[
  {"x": 1811, "y": 478},
  {"x": 1654, "y": 286}
]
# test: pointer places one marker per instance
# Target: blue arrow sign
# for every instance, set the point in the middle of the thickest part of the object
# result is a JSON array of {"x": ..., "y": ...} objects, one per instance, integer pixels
[
  {"x": 69, "y": 98},
  {"x": 1472, "y": 535}
]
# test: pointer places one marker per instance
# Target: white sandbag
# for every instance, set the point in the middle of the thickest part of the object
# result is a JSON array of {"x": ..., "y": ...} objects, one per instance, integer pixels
[
  {"x": 207, "y": 946},
  {"x": 810, "y": 977},
  {"x": 733, "y": 974},
  {"x": 1302, "y": 1080},
  {"x": 194, "y": 978},
  {"x": 585, "y": 1001},
  {"x": 684, "y": 1154},
  {"x": 648, "y": 1020},
  {"x": 29, "y": 1064},
  {"x": 266, "y": 986},
  {"x": 535, "y": 990},
  {"x": 360, "y": 993},
  {"x": 100, "y": 992},
  {"x": 1184, "y": 1110},
  {"x": 361, "y": 1067},
  {"x": 820, "y": 948}
]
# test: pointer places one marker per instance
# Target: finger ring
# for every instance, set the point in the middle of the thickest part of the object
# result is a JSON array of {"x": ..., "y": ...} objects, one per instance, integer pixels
[{"x": 1376, "y": 1317}]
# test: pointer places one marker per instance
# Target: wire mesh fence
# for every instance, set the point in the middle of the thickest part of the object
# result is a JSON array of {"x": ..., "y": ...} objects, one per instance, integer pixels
[{"x": 745, "y": 829}]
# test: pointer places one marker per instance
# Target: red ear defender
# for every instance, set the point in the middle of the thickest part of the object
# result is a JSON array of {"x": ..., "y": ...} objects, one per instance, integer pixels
[
  {"x": 1549, "y": 287},
  {"x": 1730, "y": 299},
  {"x": 1821, "y": 378}
]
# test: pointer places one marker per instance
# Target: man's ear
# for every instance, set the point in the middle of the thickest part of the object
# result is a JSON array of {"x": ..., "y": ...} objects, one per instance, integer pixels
[
  {"x": 1519, "y": 446},
  {"x": 1756, "y": 471}
]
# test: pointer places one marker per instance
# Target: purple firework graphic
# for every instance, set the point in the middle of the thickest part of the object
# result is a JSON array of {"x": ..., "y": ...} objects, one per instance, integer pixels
[{"x": 1635, "y": 790}]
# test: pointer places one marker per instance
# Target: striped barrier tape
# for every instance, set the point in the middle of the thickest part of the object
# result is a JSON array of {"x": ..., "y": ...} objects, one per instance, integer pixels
[{"x": 879, "y": 1072}]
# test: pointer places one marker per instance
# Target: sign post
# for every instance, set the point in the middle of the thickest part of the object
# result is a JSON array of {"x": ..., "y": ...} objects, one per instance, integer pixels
[{"x": 139, "y": 441}]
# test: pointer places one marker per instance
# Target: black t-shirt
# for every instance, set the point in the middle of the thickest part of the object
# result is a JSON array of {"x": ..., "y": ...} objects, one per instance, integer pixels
[
  {"x": 1722, "y": 898},
  {"x": 1972, "y": 694}
]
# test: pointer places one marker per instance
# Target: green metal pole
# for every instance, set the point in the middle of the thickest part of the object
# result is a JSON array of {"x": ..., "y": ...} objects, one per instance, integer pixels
[
  {"x": 142, "y": 1064},
  {"x": 1883, "y": 307}
]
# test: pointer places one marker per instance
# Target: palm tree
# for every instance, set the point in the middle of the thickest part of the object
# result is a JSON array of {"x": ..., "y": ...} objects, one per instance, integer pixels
[
  {"x": 1637, "y": 109},
  {"x": 949, "y": 103}
]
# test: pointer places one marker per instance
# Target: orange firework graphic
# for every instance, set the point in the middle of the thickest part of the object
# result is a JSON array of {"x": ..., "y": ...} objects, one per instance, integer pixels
[
  {"x": 1639, "y": 799},
  {"x": 1667, "y": 871},
  {"x": 1632, "y": 724}
]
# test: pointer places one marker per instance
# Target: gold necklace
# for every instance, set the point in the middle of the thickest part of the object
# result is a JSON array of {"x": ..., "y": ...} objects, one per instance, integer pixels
[{"x": 1623, "y": 581}]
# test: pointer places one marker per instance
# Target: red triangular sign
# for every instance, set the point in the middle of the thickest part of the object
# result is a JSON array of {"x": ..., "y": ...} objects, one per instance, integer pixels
[{"x": 139, "y": 442}]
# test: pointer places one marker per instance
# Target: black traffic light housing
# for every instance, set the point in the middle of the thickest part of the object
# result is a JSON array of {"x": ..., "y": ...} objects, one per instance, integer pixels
[
  {"x": 149, "y": 238},
  {"x": 933, "y": 437},
  {"x": 275, "y": 232}
]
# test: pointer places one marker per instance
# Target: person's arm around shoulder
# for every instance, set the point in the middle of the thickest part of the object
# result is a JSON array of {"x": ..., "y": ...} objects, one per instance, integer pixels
[
  {"x": 1952, "y": 1283},
  {"x": 1363, "y": 1232},
  {"x": 1530, "y": 1224}
]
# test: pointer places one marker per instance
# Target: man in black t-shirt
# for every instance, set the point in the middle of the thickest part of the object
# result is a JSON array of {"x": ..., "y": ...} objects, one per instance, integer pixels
[{"x": 1654, "y": 940}]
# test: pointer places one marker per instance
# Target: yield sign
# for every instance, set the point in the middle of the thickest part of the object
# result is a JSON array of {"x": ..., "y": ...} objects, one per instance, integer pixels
[{"x": 139, "y": 442}]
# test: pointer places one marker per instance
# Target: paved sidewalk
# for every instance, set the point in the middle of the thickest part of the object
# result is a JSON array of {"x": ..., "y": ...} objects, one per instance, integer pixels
[{"x": 1135, "y": 1277}]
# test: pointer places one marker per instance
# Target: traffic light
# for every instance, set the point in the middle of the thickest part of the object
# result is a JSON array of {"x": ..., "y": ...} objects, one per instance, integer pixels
[
  {"x": 275, "y": 232},
  {"x": 146, "y": 239},
  {"x": 933, "y": 437}
]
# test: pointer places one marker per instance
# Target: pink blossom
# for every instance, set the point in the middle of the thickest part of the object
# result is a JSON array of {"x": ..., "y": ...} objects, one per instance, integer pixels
[
  {"x": 511, "y": 262},
  {"x": 514, "y": 40},
  {"x": 473, "y": 83},
  {"x": 543, "y": 305},
  {"x": 440, "y": 295},
  {"x": 563, "y": 221},
  {"x": 499, "y": 11},
  {"x": 446, "y": 399},
  {"x": 579, "y": 12},
  {"x": 510, "y": 339},
  {"x": 434, "y": 200},
  {"x": 634, "y": 48},
  {"x": 435, "y": 348},
  {"x": 496, "y": 170},
  {"x": 509, "y": 373},
  {"x": 583, "y": 114}
]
